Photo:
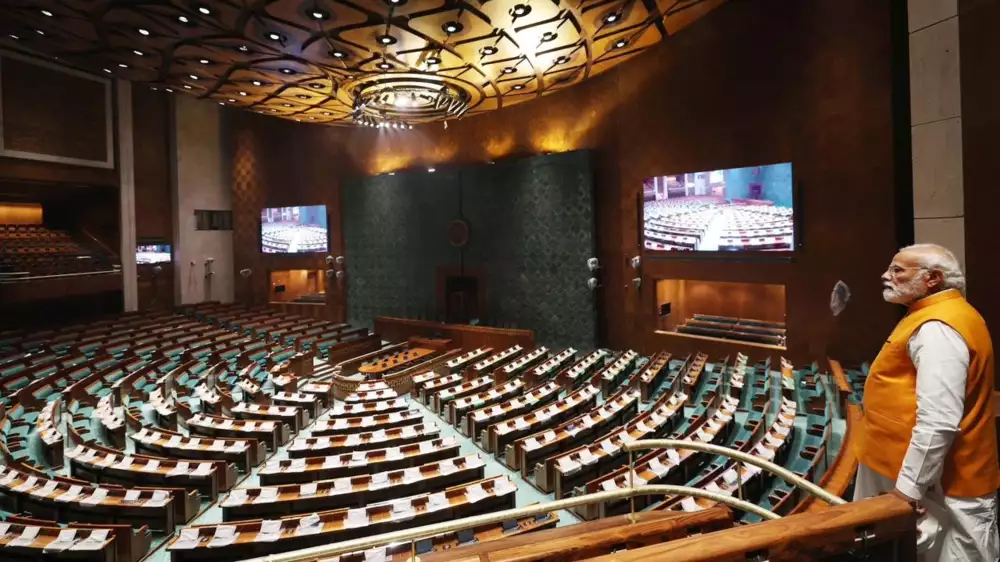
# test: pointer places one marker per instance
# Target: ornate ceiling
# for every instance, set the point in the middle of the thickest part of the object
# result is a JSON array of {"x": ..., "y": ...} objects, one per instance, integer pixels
[{"x": 397, "y": 62}]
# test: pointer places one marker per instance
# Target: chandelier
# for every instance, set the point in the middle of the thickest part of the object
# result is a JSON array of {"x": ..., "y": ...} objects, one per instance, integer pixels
[{"x": 400, "y": 100}]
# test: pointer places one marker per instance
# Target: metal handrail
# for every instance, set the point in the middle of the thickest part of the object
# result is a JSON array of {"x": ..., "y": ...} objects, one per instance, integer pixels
[
  {"x": 769, "y": 466},
  {"x": 427, "y": 531}
]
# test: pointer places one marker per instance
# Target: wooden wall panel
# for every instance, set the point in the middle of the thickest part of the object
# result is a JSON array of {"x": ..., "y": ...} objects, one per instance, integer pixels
[
  {"x": 20, "y": 213},
  {"x": 755, "y": 82},
  {"x": 758, "y": 301},
  {"x": 151, "y": 131},
  {"x": 980, "y": 47},
  {"x": 41, "y": 103}
]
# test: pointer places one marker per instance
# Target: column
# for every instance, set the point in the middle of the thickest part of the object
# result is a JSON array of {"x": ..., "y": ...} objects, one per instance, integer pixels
[
  {"x": 126, "y": 196},
  {"x": 936, "y": 124}
]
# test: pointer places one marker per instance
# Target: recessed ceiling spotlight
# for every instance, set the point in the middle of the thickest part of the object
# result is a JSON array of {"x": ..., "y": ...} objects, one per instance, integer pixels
[
  {"x": 519, "y": 86},
  {"x": 384, "y": 65},
  {"x": 327, "y": 113},
  {"x": 392, "y": 173},
  {"x": 386, "y": 39},
  {"x": 205, "y": 10},
  {"x": 243, "y": 48},
  {"x": 549, "y": 36},
  {"x": 122, "y": 65},
  {"x": 395, "y": 2},
  {"x": 488, "y": 50},
  {"x": 143, "y": 32},
  {"x": 183, "y": 19},
  {"x": 303, "y": 97},
  {"x": 205, "y": 61},
  {"x": 275, "y": 36},
  {"x": 433, "y": 61},
  {"x": 562, "y": 60},
  {"x": 318, "y": 14},
  {"x": 273, "y": 110},
  {"x": 509, "y": 70},
  {"x": 137, "y": 52},
  {"x": 431, "y": 170},
  {"x": 520, "y": 10},
  {"x": 243, "y": 93},
  {"x": 338, "y": 54},
  {"x": 452, "y": 27},
  {"x": 169, "y": 90},
  {"x": 287, "y": 104},
  {"x": 258, "y": 83},
  {"x": 316, "y": 86},
  {"x": 612, "y": 17},
  {"x": 46, "y": 13},
  {"x": 312, "y": 118},
  {"x": 620, "y": 43},
  {"x": 287, "y": 71},
  {"x": 187, "y": 87},
  {"x": 14, "y": 37},
  {"x": 410, "y": 126},
  {"x": 40, "y": 32},
  {"x": 231, "y": 100},
  {"x": 108, "y": 70},
  {"x": 193, "y": 77},
  {"x": 222, "y": 103}
]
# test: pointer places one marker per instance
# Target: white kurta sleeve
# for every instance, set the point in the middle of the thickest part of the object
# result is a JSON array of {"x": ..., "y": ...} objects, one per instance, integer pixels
[{"x": 941, "y": 357}]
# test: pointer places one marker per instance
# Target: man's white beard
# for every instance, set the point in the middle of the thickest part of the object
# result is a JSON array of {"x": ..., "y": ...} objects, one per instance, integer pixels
[{"x": 905, "y": 294}]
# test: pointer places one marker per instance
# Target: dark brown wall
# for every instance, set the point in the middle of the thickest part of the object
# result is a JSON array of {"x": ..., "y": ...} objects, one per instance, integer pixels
[
  {"x": 738, "y": 300},
  {"x": 980, "y": 47},
  {"x": 755, "y": 82}
]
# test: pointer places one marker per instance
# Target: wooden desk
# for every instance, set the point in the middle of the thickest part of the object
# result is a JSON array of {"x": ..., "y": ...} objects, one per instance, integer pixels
[{"x": 474, "y": 422}]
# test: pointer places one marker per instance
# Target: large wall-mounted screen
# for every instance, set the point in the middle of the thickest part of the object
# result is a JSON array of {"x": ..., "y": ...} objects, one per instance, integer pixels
[
  {"x": 152, "y": 253},
  {"x": 734, "y": 210},
  {"x": 293, "y": 230}
]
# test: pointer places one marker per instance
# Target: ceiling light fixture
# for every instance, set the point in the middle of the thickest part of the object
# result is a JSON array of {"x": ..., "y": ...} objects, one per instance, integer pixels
[
  {"x": 452, "y": 27},
  {"x": 108, "y": 70},
  {"x": 46, "y": 13},
  {"x": 338, "y": 54},
  {"x": 316, "y": 86},
  {"x": 518, "y": 86},
  {"x": 549, "y": 36},
  {"x": 243, "y": 48},
  {"x": 14, "y": 37},
  {"x": 275, "y": 36},
  {"x": 386, "y": 39},
  {"x": 258, "y": 83},
  {"x": 327, "y": 113},
  {"x": 137, "y": 52},
  {"x": 205, "y": 61},
  {"x": 287, "y": 71},
  {"x": 611, "y": 18},
  {"x": 384, "y": 65},
  {"x": 318, "y": 14},
  {"x": 231, "y": 100},
  {"x": 509, "y": 70},
  {"x": 222, "y": 103},
  {"x": 488, "y": 50},
  {"x": 287, "y": 104},
  {"x": 620, "y": 43},
  {"x": 433, "y": 61},
  {"x": 143, "y": 32},
  {"x": 431, "y": 170},
  {"x": 183, "y": 19},
  {"x": 520, "y": 10},
  {"x": 303, "y": 97},
  {"x": 187, "y": 87},
  {"x": 562, "y": 60},
  {"x": 169, "y": 90},
  {"x": 122, "y": 65},
  {"x": 193, "y": 77},
  {"x": 205, "y": 10},
  {"x": 40, "y": 32},
  {"x": 243, "y": 93}
]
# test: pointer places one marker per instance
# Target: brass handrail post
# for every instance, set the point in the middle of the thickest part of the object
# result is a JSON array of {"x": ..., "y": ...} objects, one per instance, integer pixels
[{"x": 631, "y": 484}]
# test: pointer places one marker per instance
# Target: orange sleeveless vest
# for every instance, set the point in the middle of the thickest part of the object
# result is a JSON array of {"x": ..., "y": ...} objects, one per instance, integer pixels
[{"x": 890, "y": 401}]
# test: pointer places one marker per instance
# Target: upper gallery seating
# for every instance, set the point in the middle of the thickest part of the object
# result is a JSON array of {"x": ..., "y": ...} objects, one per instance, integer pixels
[
  {"x": 742, "y": 329},
  {"x": 31, "y": 249},
  {"x": 118, "y": 433}
]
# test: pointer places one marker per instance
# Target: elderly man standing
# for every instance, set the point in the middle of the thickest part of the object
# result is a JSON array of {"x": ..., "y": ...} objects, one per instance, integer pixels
[{"x": 928, "y": 434}]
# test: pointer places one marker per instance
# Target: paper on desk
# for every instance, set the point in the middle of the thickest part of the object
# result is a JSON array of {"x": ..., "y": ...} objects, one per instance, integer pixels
[
  {"x": 352, "y": 440},
  {"x": 356, "y": 518},
  {"x": 689, "y": 504},
  {"x": 341, "y": 485},
  {"x": 411, "y": 475},
  {"x": 47, "y": 489},
  {"x": 379, "y": 480},
  {"x": 309, "y": 525},
  {"x": 95, "y": 541},
  {"x": 714, "y": 488},
  {"x": 437, "y": 501},
  {"x": 270, "y": 531},
  {"x": 658, "y": 467},
  {"x": 403, "y": 509},
  {"x": 203, "y": 469},
  {"x": 187, "y": 540},
  {"x": 27, "y": 484},
  {"x": 64, "y": 540},
  {"x": 530, "y": 444},
  {"x": 393, "y": 454},
  {"x": 730, "y": 476},
  {"x": 225, "y": 535},
  {"x": 181, "y": 468},
  {"x": 474, "y": 493},
  {"x": 235, "y": 497},
  {"x": 609, "y": 485},
  {"x": 27, "y": 537},
  {"x": 503, "y": 487},
  {"x": 376, "y": 555},
  {"x": 267, "y": 495},
  {"x": 70, "y": 495},
  {"x": 426, "y": 446},
  {"x": 96, "y": 497},
  {"x": 673, "y": 456},
  {"x": 151, "y": 466},
  {"x": 217, "y": 445}
]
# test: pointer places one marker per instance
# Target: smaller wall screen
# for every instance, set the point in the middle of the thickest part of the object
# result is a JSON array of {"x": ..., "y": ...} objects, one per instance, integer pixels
[
  {"x": 293, "y": 230},
  {"x": 152, "y": 253},
  {"x": 735, "y": 210}
]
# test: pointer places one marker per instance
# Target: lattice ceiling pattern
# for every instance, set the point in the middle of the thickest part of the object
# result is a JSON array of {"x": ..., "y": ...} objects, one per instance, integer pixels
[{"x": 349, "y": 61}]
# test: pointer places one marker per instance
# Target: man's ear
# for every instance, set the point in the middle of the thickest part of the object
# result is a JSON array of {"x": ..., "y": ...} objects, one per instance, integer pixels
[{"x": 934, "y": 278}]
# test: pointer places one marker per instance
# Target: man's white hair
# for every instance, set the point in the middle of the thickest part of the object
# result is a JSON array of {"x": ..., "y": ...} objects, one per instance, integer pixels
[{"x": 937, "y": 257}]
